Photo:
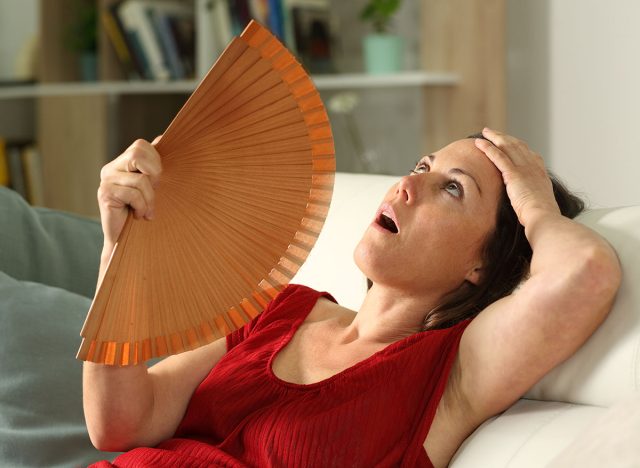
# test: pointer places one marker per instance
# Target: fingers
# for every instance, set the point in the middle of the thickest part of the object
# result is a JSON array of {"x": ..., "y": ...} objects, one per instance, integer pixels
[
  {"x": 131, "y": 178},
  {"x": 510, "y": 150},
  {"x": 501, "y": 140},
  {"x": 526, "y": 180},
  {"x": 140, "y": 157},
  {"x": 495, "y": 155},
  {"x": 132, "y": 189},
  {"x": 115, "y": 198}
]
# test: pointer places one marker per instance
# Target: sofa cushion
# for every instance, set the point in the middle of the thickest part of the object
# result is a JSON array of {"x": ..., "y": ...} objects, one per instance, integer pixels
[
  {"x": 609, "y": 440},
  {"x": 47, "y": 246},
  {"x": 528, "y": 435},
  {"x": 41, "y": 418}
]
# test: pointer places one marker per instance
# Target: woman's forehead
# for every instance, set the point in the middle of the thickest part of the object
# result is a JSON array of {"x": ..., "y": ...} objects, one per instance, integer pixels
[{"x": 466, "y": 153}]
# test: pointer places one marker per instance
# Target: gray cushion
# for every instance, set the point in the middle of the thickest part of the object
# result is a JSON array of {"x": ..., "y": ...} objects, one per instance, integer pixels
[
  {"x": 47, "y": 246},
  {"x": 41, "y": 418}
]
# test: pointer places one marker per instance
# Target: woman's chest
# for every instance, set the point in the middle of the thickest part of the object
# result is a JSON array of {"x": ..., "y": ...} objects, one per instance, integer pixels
[{"x": 313, "y": 355}]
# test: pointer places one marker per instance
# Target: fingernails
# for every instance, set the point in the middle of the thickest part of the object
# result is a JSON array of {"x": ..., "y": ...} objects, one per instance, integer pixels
[{"x": 149, "y": 215}]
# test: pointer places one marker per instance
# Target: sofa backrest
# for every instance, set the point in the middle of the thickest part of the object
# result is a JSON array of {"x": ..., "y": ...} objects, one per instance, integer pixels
[
  {"x": 330, "y": 266},
  {"x": 604, "y": 370}
]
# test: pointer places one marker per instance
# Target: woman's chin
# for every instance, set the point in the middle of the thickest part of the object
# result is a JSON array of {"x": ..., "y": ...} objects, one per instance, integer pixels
[
  {"x": 362, "y": 256},
  {"x": 371, "y": 263}
]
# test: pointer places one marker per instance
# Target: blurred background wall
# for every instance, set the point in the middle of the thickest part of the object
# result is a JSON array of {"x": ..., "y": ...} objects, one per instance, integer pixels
[{"x": 573, "y": 91}]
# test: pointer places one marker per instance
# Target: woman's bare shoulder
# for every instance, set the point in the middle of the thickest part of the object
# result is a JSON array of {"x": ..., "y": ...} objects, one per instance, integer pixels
[{"x": 326, "y": 310}]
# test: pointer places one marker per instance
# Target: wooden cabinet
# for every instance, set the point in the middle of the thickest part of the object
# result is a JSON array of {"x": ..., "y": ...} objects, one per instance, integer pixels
[{"x": 468, "y": 38}]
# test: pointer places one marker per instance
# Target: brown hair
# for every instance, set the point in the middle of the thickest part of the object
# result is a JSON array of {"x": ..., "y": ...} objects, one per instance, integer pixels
[{"x": 506, "y": 259}]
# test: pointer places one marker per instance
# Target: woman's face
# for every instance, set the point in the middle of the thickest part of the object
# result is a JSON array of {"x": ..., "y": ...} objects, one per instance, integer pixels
[{"x": 443, "y": 213}]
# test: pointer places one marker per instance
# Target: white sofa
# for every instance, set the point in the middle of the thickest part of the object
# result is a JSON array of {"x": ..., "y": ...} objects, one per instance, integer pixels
[{"x": 560, "y": 417}]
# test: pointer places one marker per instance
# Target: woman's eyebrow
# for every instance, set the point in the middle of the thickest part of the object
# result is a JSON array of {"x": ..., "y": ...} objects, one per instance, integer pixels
[{"x": 457, "y": 170}]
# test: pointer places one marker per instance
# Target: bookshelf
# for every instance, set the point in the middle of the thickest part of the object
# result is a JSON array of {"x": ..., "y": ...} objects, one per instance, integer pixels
[{"x": 82, "y": 125}]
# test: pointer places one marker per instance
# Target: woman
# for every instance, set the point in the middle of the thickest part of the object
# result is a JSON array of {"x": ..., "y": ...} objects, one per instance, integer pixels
[{"x": 437, "y": 347}]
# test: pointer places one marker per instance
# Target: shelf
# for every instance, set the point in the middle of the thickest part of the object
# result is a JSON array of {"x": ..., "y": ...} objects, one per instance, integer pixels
[
  {"x": 404, "y": 79},
  {"x": 92, "y": 88},
  {"x": 323, "y": 82}
]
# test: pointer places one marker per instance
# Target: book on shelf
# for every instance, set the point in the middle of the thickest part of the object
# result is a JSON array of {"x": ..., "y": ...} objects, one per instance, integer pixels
[
  {"x": 153, "y": 39},
  {"x": 259, "y": 10},
  {"x": 4, "y": 164},
  {"x": 276, "y": 19},
  {"x": 112, "y": 25},
  {"x": 240, "y": 13},
  {"x": 310, "y": 25},
  {"x": 213, "y": 32},
  {"x": 21, "y": 170},
  {"x": 175, "y": 32}
]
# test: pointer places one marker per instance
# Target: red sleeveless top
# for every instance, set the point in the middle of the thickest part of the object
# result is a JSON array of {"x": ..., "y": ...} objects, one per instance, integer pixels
[{"x": 374, "y": 413}]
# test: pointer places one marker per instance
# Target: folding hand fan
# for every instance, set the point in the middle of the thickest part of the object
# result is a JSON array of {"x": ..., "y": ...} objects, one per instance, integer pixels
[{"x": 248, "y": 169}]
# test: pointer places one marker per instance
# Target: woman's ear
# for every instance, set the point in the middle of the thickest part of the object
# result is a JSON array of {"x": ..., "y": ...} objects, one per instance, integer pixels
[{"x": 474, "y": 276}]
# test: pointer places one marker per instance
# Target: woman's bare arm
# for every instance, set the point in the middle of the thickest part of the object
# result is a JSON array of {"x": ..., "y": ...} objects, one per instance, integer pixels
[
  {"x": 573, "y": 280},
  {"x": 133, "y": 406},
  {"x": 127, "y": 407}
]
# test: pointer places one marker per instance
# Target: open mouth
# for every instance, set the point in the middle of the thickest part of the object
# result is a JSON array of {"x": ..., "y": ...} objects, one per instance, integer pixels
[{"x": 387, "y": 223}]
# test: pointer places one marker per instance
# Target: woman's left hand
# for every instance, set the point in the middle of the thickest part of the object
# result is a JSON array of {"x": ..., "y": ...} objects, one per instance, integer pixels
[{"x": 528, "y": 185}]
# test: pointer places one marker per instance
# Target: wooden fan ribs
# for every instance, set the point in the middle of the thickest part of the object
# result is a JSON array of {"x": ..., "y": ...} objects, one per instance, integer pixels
[
  {"x": 189, "y": 261},
  {"x": 273, "y": 231},
  {"x": 254, "y": 117},
  {"x": 249, "y": 79}
]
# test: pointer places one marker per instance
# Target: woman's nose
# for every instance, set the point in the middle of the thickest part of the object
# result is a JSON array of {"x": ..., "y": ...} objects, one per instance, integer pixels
[{"x": 405, "y": 190}]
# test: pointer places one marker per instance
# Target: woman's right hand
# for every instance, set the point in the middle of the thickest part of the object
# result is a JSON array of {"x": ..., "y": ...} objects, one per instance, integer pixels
[{"x": 128, "y": 182}]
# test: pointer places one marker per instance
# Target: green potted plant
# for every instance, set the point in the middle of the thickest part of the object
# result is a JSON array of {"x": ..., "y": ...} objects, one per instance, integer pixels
[
  {"x": 81, "y": 37},
  {"x": 383, "y": 50}
]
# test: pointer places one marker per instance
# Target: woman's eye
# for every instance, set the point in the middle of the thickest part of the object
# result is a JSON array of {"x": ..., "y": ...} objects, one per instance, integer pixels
[
  {"x": 420, "y": 168},
  {"x": 454, "y": 188}
]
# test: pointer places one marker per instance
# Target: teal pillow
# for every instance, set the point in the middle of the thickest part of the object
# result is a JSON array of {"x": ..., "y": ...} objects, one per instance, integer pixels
[
  {"x": 41, "y": 417},
  {"x": 48, "y": 246}
]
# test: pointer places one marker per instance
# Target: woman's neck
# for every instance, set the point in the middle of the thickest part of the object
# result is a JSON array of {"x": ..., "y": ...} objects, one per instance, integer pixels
[{"x": 387, "y": 315}]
